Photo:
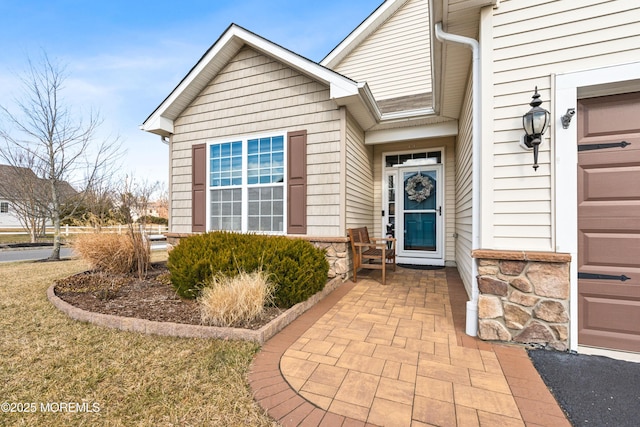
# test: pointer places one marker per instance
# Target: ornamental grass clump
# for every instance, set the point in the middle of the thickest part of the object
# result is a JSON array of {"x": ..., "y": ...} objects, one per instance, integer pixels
[
  {"x": 235, "y": 301},
  {"x": 113, "y": 253}
]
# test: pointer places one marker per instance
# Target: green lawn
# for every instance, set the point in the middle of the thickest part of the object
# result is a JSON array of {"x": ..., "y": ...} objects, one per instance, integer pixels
[{"x": 131, "y": 379}]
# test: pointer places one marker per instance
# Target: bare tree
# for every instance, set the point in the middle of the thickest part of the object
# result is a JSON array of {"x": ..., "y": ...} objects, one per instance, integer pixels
[{"x": 61, "y": 147}]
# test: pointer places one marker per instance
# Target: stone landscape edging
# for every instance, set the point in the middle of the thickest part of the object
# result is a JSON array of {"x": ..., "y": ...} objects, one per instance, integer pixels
[{"x": 184, "y": 330}]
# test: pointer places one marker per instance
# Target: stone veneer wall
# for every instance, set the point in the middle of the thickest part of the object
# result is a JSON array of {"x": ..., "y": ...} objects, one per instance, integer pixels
[
  {"x": 524, "y": 297},
  {"x": 337, "y": 251}
]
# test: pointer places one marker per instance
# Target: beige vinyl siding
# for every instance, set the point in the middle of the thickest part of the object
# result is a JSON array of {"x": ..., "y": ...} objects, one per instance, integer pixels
[
  {"x": 532, "y": 41},
  {"x": 464, "y": 192},
  {"x": 255, "y": 94},
  {"x": 359, "y": 178},
  {"x": 395, "y": 60},
  {"x": 448, "y": 145}
]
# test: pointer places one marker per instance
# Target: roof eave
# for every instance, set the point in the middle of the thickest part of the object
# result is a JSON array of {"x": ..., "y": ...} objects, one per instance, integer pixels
[{"x": 234, "y": 38}]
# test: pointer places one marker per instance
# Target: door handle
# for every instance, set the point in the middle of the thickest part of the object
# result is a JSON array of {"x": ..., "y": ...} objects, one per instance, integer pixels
[{"x": 440, "y": 210}]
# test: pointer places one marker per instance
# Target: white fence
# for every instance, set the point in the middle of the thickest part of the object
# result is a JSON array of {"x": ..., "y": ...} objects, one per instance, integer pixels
[
  {"x": 70, "y": 230},
  {"x": 148, "y": 229}
]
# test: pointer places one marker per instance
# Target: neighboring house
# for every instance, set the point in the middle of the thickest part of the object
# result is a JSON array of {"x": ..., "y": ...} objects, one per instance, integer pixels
[
  {"x": 24, "y": 196},
  {"x": 13, "y": 182},
  {"x": 7, "y": 215},
  {"x": 157, "y": 209},
  {"x": 389, "y": 131}
]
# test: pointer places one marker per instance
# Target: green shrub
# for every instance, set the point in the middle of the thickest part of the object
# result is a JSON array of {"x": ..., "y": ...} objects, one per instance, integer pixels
[{"x": 296, "y": 267}]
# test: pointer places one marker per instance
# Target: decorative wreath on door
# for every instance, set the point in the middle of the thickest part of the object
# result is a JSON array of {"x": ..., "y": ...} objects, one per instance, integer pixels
[{"x": 413, "y": 183}]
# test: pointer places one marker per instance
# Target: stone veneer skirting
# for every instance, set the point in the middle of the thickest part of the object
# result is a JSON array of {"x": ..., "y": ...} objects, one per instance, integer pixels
[
  {"x": 337, "y": 249},
  {"x": 524, "y": 297}
]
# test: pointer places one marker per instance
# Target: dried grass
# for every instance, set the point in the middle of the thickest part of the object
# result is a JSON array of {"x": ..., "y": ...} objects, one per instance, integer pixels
[
  {"x": 135, "y": 379},
  {"x": 112, "y": 253},
  {"x": 233, "y": 301}
]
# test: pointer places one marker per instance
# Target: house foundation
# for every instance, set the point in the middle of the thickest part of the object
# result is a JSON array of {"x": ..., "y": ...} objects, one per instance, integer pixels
[{"x": 524, "y": 297}]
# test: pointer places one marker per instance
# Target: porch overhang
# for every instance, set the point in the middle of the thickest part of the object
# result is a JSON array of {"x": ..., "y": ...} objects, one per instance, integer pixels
[{"x": 425, "y": 131}]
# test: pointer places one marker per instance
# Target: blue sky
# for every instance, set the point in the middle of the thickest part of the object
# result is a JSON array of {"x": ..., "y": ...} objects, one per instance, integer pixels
[{"x": 124, "y": 57}]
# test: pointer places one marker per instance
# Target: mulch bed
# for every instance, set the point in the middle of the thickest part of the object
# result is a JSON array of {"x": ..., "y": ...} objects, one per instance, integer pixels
[{"x": 151, "y": 298}]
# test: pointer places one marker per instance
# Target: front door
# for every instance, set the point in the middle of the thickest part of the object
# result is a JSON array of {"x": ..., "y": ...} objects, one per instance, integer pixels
[
  {"x": 416, "y": 200},
  {"x": 609, "y": 222}
]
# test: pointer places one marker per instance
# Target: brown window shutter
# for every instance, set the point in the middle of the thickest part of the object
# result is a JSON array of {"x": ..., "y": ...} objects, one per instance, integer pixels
[
  {"x": 297, "y": 182},
  {"x": 198, "y": 188}
]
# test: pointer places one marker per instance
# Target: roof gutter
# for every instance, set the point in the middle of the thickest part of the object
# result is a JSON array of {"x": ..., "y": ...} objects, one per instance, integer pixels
[{"x": 472, "y": 305}]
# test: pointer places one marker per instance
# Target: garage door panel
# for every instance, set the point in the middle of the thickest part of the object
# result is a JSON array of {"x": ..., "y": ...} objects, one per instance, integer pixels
[
  {"x": 610, "y": 249},
  {"x": 609, "y": 115},
  {"x": 609, "y": 313},
  {"x": 609, "y": 222},
  {"x": 611, "y": 183},
  {"x": 612, "y": 340}
]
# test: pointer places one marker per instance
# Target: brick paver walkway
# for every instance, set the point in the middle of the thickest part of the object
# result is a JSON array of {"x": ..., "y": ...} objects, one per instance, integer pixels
[{"x": 397, "y": 355}]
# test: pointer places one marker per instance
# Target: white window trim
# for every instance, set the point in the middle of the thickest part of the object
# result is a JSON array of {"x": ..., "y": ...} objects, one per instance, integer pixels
[
  {"x": 244, "y": 228},
  {"x": 568, "y": 88}
]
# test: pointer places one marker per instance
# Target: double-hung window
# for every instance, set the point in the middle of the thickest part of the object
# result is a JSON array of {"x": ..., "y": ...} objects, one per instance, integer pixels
[
  {"x": 4, "y": 207},
  {"x": 247, "y": 184}
]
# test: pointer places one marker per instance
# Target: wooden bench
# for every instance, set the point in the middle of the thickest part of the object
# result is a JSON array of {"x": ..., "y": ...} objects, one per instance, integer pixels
[{"x": 376, "y": 253}]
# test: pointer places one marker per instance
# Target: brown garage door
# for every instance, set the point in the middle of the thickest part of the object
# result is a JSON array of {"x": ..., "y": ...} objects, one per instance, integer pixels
[{"x": 609, "y": 222}]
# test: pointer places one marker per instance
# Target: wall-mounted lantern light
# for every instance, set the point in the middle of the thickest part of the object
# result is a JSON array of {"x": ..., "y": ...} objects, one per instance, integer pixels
[{"x": 535, "y": 123}]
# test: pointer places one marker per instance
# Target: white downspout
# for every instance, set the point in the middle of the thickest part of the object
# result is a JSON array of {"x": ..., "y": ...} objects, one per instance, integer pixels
[{"x": 472, "y": 305}]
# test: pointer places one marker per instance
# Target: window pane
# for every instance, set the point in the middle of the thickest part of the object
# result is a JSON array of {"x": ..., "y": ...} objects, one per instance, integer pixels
[
  {"x": 225, "y": 209},
  {"x": 254, "y": 208},
  {"x": 278, "y": 159},
  {"x": 253, "y": 146},
  {"x": 277, "y": 143},
  {"x": 265, "y": 205},
  {"x": 254, "y": 223},
  {"x": 215, "y": 151},
  {"x": 391, "y": 160},
  {"x": 252, "y": 162},
  {"x": 225, "y": 163},
  {"x": 237, "y": 208}
]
